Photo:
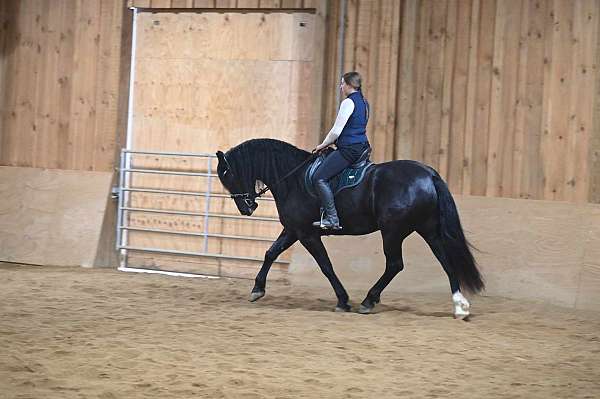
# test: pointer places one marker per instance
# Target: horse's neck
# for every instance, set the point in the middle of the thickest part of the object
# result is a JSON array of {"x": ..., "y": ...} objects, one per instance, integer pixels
[{"x": 278, "y": 187}]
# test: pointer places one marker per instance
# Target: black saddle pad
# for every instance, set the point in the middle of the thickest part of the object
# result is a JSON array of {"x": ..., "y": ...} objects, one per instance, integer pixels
[{"x": 349, "y": 177}]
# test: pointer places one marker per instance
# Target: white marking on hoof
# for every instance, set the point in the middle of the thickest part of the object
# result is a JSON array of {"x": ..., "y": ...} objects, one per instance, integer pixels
[
  {"x": 255, "y": 296},
  {"x": 461, "y": 306}
]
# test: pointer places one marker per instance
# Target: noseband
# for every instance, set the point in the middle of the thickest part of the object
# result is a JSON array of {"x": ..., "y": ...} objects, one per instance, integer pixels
[{"x": 246, "y": 197}]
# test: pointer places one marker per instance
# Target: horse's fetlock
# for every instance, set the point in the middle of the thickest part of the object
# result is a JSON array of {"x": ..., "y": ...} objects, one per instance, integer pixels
[{"x": 258, "y": 286}]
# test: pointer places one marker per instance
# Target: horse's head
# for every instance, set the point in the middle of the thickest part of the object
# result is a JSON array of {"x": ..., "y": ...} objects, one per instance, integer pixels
[{"x": 242, "y": 193}]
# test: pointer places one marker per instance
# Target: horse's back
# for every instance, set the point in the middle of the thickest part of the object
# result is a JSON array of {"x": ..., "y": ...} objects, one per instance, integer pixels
[
  {"x": 403, "y": 191},
  {"x": 397, "y": 192},
  {"x": 405, "y": 173}
]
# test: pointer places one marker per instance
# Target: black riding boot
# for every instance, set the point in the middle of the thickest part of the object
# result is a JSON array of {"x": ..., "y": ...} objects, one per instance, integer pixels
[{"x": 330, "y": 219}]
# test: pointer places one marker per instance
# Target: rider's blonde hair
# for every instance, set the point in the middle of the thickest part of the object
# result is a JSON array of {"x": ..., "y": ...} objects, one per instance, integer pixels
[{"x": 353, "y": 79}]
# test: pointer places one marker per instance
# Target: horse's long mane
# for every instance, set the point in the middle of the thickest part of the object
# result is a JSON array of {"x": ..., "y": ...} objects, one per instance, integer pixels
[{"x": 267, "y": 160}]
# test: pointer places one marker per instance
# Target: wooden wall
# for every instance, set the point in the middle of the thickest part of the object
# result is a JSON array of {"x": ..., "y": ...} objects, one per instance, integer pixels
[
  {"x": 265, "y": 4},
  {"x": 41, "y": 215},
  {"x": 497, "y": 95},
  {"x": 500, "y": 96},
  {"x": 61, "y": 86}
]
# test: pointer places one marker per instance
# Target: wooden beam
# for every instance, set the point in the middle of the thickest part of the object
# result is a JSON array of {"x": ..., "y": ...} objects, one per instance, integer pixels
[
  {"x": 485, "y": 56},
  {"x": 405, "y": 110},
  {"x": 594, "y": 148},
  {"x": 471, "y": 107}
]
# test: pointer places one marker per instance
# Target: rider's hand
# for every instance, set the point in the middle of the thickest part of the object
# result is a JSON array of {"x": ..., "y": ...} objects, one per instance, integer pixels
[{"x": 319, "y": 148}]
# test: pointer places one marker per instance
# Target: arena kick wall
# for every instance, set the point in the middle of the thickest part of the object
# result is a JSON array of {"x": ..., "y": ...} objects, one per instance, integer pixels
[{"x": 537, "y": 250}]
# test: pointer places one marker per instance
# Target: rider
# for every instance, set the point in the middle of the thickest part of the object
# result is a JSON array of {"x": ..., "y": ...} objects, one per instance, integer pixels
[{"x": 349, "y": 133}]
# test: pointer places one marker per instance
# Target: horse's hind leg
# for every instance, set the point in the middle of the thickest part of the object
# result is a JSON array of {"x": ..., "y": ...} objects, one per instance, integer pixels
[
  {"x": 392, "y": 247},
  {"x": 461, "y": 304}
]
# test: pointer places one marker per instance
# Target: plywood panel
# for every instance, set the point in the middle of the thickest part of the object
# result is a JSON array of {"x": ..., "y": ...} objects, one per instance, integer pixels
[
  {"x": 51, "y": 217},
  {"x": 588, "y": 294},
  {"x": 186, "y": 100},
  {"x": 536, "y": 250}
]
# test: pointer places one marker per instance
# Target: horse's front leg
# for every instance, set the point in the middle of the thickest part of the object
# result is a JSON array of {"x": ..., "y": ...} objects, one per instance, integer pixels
[
  {"x": 283, "y": 242},
  {"x": 315, "y": 246}
]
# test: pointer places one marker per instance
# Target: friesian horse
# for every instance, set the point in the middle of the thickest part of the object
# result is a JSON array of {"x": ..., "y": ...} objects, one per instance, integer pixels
[{"x": 397, "y": 198}]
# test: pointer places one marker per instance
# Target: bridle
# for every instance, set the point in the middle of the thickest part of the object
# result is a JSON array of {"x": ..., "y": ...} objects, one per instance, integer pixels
[{"x": 249, "y": 198}]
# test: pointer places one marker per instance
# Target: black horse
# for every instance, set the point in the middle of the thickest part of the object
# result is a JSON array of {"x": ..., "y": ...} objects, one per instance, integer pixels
[{"x": 398, "y": 198}]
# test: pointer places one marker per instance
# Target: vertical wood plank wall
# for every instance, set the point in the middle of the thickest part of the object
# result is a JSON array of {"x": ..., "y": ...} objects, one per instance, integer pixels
[
  {"x": 501, "y": 97},
  {"x": 265, "y": 4},
  {"x": 60, "y": 88}
]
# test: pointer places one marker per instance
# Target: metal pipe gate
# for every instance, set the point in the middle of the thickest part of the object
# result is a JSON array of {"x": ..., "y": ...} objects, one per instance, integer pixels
[{"x": 126, "y": 171}]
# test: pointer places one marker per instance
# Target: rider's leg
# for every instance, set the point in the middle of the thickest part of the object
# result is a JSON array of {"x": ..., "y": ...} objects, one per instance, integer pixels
[
  {"x": 330, "y": 218},
  {"x": 334, "y": 164}
]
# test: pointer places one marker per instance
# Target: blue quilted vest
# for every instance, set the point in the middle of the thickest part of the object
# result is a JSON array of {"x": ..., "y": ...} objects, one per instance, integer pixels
[{"x": 355, "y": 131}]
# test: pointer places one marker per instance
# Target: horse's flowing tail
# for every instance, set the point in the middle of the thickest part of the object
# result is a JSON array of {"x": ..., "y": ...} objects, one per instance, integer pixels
[{"x": 456, "y": 247}]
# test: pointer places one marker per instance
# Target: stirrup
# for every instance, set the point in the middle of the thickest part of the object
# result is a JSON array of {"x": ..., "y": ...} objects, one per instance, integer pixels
[
  {"x": 323, "y": 226},
  {"x": 327, "y": 227}
]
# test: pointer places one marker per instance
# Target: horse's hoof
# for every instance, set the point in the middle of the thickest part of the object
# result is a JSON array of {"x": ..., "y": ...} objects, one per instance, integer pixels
[
  {"x": 365, "y": 309},
  {"x": 342, "y": 308},
  {"x": 461, "y": 306},
  {"x": 462, "y": 315},
  {"x": 255, "y": 296}
]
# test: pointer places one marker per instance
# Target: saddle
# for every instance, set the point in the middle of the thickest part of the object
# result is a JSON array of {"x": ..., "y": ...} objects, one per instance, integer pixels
[{"x": 351, "y": 176}]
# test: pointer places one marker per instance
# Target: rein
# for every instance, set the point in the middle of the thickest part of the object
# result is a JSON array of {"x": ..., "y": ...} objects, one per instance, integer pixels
[{"x": 251, "y": 197}]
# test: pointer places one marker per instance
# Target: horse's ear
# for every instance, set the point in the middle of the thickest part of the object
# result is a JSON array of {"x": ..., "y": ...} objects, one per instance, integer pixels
[{"x": 221, "y": 156}]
